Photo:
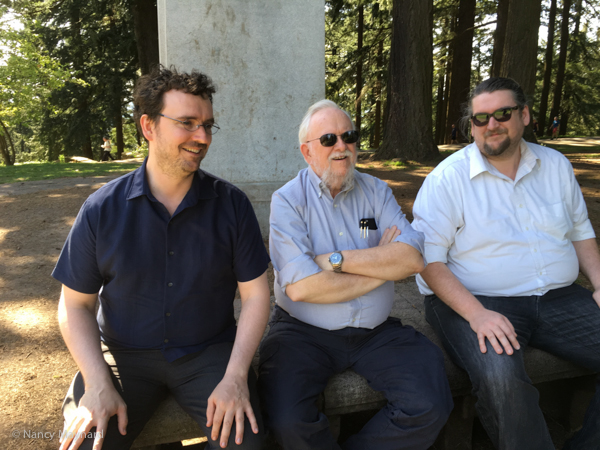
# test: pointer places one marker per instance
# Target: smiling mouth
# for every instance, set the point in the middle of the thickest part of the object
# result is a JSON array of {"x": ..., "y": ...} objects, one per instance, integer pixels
[{"x": 195, "y": 151}]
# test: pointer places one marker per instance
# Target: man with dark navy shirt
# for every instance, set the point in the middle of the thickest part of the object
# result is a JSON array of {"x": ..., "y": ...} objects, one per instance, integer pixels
[{"x": 164, "y": 273}]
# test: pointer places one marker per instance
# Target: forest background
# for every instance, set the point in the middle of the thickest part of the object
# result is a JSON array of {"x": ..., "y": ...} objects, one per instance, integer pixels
[{"x": 403, "y": 68}]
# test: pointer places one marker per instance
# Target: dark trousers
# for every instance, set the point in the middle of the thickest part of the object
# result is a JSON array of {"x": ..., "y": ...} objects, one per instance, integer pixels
[
  {"x": 564, "y": 322},
  {"x": 106, "y": 155},
  {"x": 297, "y": 360},
  {"x": 144, "y": 378}
]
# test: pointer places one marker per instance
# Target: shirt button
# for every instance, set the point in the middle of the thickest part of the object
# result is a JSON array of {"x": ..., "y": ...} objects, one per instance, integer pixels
[
  {"x": 171, "y": 253},
  {"x": 541, "y": 273},
  {"x": 526, "y": 228},
  {"x": 335, "y": 206},
  {"x": 170, "y": 284},
  {"x": 521, "y": 205},
  {"x": 166, "y": 341},
  {"x": 535, "y": 250},
  {"x": 341, "y": 233},
  {"x": 168, "y": 314}
]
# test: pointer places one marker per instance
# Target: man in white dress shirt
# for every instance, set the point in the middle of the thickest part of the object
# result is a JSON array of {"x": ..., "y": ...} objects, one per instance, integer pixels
[
  {"x": 338, "y": 239},
  {"x": 506, "y": 233}
]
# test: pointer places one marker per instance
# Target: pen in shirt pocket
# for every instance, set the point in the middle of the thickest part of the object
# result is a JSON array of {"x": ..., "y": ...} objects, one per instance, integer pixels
[{"x": 365, "y": 225}]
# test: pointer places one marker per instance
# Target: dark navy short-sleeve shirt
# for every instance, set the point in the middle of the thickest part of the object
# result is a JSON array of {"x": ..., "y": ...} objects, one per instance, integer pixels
[{"x": 164, "y": 282}]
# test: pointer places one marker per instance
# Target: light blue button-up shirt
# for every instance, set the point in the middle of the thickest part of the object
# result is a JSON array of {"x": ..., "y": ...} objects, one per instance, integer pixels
[{"x": 306, "y": 221}]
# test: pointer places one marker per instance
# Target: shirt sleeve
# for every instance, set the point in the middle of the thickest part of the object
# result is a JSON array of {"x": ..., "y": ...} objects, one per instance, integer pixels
[
  {"x": 289, "y": 243},
  {"x": 438, "y": 217},
  {"x": 77, "y": 266},
  {"x": 251, "y": 258},
  {"x": 582, "y": 227},
  {"x": 391, "y": 214}
]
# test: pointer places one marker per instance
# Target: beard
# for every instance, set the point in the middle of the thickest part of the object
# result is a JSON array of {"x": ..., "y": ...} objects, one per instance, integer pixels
[
  {"x": 500, "y": 148},
  {"x": 333, "y": 180}
]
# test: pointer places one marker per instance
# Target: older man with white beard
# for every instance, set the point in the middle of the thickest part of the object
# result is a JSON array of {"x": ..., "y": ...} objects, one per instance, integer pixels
[{"x": 338, "y": 241}]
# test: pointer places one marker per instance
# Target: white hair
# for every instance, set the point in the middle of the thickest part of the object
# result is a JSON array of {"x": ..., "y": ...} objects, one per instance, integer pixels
[{"x": 315, "y": 108}]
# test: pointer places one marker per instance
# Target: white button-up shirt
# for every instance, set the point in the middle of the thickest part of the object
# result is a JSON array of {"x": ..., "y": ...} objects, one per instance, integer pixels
[
  {"x": 306, "y": 221},
  {"x": 501, "y": 237}
]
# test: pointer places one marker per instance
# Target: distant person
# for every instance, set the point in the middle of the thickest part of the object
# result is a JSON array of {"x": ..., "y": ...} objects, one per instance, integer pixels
[
  {"x": 338, "y": 241},
  {"x": 106, "y": 148},
  {"x": 453, "y": 133},
  {"x": 506, "y": 234},
  {"x": 162, "y": 250},
  {"x": 555, "y": 126},
  {"x": 535, "y": 127}
]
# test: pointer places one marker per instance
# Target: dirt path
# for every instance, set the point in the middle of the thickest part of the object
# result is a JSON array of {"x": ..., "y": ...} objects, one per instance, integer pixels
[{"x": 35, "y": 218}]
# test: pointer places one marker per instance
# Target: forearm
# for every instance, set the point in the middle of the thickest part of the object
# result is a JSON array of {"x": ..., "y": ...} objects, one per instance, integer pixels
[
  {"x": 330, "y": 287},
  {"x": 251, "y": 324},
  {"x": 394, "y": 261},
  {"x": 589, "y": 260},
  {"x": 451, "y": 291},
  {"x": 79, "y": 328}
]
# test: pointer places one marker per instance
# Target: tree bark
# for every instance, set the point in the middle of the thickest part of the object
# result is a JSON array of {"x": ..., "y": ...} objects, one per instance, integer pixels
[
  {"x": 573, "y": 58},
  {"x": 562, "y": 59},
  {"x": 119, "y": 129},
  {"x": 145, "y": 26},
  {"x": 359, "y": 68},
  {"x": 461, "y": 66},
  {"x": 408, "y": 131},
  {"x": 499, "y": 36},
  {"x": 519, "y": 58},
  {"x": 378, "y": 92},
  {"x": 8, "y": 154},
  {"x": 547, "y": 70}
]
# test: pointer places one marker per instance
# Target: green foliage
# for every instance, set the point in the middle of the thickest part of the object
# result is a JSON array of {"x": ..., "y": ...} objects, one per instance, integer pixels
[{"x": 48, "y": 171}]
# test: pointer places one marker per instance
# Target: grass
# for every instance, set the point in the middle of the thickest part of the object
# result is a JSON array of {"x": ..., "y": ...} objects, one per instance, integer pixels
[{"x": 48, "y": 171}]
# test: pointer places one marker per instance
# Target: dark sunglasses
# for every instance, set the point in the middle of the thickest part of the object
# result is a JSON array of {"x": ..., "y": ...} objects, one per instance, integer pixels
[
  {"x": 330, "y": 139},
  {"x": 500, "y": 115}
]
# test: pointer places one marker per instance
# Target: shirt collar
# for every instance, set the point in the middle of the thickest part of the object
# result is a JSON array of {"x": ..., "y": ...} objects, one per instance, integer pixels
[
  {"x": 480, "y": 164},
  {"x": 320, "y": 186},
  {"x": 201, "y": 188}
]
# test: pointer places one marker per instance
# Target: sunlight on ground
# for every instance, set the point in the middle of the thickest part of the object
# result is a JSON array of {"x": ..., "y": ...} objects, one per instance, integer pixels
[
  {"x": 24, "y": 317},
  {"x": 5, "y": 231},
  {"x": 189, "y": 442}
]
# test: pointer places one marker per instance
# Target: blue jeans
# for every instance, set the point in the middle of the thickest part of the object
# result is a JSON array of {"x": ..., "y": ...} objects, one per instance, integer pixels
[
  {"x": 297, "y": 360},
  {"x": 564, "y": 322}
]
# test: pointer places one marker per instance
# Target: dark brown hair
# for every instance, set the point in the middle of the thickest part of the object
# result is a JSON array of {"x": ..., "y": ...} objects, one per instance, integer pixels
[{"x": 150, "y": 89}]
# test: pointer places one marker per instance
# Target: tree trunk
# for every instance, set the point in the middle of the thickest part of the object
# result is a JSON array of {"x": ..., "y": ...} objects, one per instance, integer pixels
[
  {"x": 440, "y": 116},
  {"x": 562, "y": 60},
  {"x": 547, "y": 70},
  {"x": 499, "y": 36},
  {"x": 145, "y": 26},
  {"x": 461, "y": 66},
  {"x": 519, "y": 58},
  {"x": 408, "y": 131},
  {"x": 119, "y": 129},
  {"x": 359, "y": 68},
  {"x": 8, "y": 154},
  {"x": 573, "y": 57},
  {"x": 378, "y": 92}
]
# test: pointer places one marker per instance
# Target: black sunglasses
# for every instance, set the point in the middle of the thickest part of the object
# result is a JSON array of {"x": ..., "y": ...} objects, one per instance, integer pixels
[
  {"x": 330, "y": 139},
  {"x": 500, "y": 115}
]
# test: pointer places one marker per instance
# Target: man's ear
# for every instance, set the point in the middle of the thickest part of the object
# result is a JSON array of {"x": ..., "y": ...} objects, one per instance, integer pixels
[
  {"x": 306, "y": 152},
  {"x": 525, "y": 115},
  {"x": 148, "y": 127}
]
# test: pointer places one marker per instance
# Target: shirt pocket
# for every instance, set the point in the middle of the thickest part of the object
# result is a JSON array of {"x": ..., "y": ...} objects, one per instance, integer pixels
[{"x": 554, "y": 221}]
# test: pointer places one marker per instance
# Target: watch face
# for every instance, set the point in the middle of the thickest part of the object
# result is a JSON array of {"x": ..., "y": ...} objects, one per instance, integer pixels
[{"x": 335, "y": 258}]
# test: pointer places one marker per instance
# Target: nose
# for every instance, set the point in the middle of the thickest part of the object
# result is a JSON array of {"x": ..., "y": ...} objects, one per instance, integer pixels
[
  {"x": 493, "y": 123},
  {"x": 200, "y": 135}
]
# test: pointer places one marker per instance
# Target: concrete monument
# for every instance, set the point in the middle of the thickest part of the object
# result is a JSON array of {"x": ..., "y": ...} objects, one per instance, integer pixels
[{"x": 267, "y": 60}]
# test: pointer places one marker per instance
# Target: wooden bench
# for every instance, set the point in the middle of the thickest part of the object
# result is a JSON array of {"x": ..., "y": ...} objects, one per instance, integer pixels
[{"x": 348, "y": 392}]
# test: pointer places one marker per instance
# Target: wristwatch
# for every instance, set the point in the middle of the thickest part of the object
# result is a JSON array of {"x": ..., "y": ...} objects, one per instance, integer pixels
[{"x": 335, "y": 259}]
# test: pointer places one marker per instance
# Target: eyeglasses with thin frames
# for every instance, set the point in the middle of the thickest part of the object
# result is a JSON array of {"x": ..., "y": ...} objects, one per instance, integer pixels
[{"x": 191, "y": 126}]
